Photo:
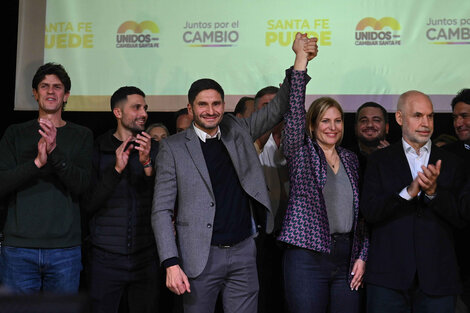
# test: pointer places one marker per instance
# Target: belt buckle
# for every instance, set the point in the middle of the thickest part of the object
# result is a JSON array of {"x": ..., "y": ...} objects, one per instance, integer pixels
[{"x": 221, "y": 246}]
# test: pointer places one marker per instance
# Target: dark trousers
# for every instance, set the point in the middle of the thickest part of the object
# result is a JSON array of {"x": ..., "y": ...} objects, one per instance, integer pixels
[
  {"x": 269, "y": 261},
  {"x": 230, "y": 272},
  {"x": 136, "y": 276},
  {"x": 318, "y": 282},
  {"x": 466, "y": 292},
  {"x": 386, "y": 300}
]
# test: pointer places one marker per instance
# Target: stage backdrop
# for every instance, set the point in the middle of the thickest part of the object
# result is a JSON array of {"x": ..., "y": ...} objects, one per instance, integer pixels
[{"x": 368, "y": 50}]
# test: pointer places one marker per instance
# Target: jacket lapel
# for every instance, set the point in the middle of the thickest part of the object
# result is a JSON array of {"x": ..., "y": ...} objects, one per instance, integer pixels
[
  {"x": 194, "y": 148},
  {"x": 435, "y": 155},
  {"x": 229, "y": 143},
  {"x": 401, "y": 168}
]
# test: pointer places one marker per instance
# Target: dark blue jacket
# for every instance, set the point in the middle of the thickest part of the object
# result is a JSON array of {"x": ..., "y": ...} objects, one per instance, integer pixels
[
  {"x": 410, "y": 239},
  {"x": 120, "y": 204}
]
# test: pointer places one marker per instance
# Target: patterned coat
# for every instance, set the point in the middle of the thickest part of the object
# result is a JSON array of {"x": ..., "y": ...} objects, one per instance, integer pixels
[{"x": 306, "y": 223}]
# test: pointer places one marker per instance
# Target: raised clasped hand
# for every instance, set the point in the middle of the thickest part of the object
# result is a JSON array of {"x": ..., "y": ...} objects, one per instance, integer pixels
[
  {"x": 427, "y": 179},
  {"x": 49, "y": 132},
  {"x": 305, "y": 46}
]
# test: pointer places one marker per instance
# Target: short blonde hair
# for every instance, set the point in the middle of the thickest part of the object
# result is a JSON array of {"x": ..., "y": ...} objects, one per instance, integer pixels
[
  {"x": 161, "y": 125},
  {"x": 316, "y": 111}
]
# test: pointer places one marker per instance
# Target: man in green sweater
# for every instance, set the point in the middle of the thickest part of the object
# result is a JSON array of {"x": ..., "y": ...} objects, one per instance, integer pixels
[{"x": 45, "y": 165}]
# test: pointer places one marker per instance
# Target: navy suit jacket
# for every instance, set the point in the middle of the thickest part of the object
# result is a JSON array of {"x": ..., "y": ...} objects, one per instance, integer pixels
[{"x": 411, "y": 239}]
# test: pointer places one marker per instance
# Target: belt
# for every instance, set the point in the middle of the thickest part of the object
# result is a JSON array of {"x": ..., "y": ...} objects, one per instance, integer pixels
[
  {"x": 336, "y": 236},
  {"x": 228, "y": 245},
  {"x": 224, "y": 246}
]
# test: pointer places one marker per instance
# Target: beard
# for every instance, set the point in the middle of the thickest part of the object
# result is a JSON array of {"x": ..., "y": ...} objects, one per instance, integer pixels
[
  {"x": 133, "y": 127},
  {"x": 371, "y": 143},
  {"x": 374, "y": 142},
  {"x": 414, "y": 137},
  {"x": 367, "y": 141}
]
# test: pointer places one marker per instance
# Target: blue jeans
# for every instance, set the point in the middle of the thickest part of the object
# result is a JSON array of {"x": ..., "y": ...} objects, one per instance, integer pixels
[
  {"x": 318, "y": 282},
  {"x": 26, "y": 270}
]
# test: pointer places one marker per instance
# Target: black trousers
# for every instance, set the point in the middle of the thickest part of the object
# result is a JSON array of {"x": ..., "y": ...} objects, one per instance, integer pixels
[
  {"x": 385, "y": 300},
  {"x": 269, "y": 263},
  {"x": 136, "y": 276}
]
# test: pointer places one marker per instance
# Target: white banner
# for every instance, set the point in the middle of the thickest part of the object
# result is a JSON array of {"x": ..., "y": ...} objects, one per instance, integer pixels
[{"x": 368, "y": 50}]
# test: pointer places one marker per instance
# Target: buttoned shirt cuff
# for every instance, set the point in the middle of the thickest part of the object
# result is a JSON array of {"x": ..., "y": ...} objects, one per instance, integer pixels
[
  {"x": 430, "y": 197},
  {"x": 404, "y": 194}
]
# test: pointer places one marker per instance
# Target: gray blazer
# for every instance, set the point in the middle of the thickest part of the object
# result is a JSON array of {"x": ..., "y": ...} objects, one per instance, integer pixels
[{"x": 183, "y": 183}]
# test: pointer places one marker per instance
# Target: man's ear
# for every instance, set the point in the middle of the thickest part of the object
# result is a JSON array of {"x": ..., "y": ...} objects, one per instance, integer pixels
[
  {"x": 66, "y": 97},
  {"x": 117, "y": 112},
  {"x": 35, "y": 95},
  {"x": 190, "y": 110},
  {"x": 399, "y": 117}
]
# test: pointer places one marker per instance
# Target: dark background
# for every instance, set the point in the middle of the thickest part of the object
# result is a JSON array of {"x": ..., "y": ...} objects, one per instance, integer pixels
[{"x": 99, "y": 122}]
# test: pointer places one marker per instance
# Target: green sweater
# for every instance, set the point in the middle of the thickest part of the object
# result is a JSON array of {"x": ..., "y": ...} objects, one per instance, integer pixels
[{"x": 43, "y": 204}]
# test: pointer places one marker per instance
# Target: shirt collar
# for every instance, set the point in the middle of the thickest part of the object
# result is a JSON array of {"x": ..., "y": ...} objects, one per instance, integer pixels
[
  {"x": 409, "y": 149},
  {"x": 203, "y": 135}
]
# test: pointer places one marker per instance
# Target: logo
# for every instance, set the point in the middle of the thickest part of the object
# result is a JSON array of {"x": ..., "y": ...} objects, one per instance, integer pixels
[
  {"x": 137, "y": 35},
  {"x": 282, "y": 32},
  {"x": 211, "y": 34},
  {"x": 448, "y": 31},
  {"x": 373, "y": 32}
]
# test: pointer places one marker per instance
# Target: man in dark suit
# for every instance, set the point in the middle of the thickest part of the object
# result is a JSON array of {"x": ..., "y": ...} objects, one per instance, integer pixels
[
  {"x": 410, "y": 200},
  {"x": 212, "y": 172},
  {"x": 461, "y": 114}
]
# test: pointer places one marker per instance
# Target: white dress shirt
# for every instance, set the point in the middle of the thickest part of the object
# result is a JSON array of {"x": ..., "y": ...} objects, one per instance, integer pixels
[
  {"x": 275, "y": 172},
  {"x": 203, "y": 135},
  {"x": 415, "y": 161}
]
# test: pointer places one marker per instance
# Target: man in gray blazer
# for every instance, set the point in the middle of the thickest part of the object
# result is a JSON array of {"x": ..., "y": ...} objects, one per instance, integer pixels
[{"x": 209, "y": 191}]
